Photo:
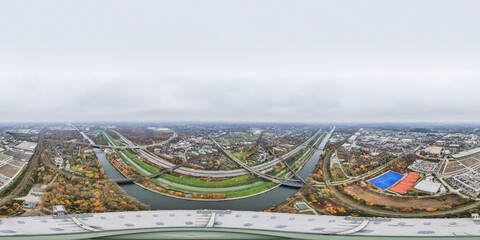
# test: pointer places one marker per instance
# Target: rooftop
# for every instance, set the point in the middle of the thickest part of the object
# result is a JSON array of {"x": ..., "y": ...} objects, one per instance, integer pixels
[
  {"x": 114, "y": 223},
  {"x": 27, "y": 146}
]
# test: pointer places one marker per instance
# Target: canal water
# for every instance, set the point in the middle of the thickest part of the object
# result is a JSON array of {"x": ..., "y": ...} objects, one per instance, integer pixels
[{"x": 258, "y": 202}]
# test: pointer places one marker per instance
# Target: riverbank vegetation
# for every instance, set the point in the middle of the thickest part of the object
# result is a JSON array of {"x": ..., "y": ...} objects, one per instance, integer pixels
[
  {"x": 110, "y": 139},
  {"x": 146, "y": 166},
  {"x": 179, "y": 185}
]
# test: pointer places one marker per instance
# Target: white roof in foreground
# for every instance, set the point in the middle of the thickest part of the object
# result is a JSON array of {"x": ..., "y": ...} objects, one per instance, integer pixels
[
  {"x": 428, "y": 186},
  {"x": 279, "y": 222}
]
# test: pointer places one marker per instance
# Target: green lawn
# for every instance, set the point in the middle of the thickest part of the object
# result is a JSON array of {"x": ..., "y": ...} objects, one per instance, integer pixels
[
  {"x": 76, "y": 167},
  {"x": 250, "y": 137},
  {"x": 303, "y": 156},
  {"x": 239, "y": 155},
  {"x": 110, "y": 139},
  {"x": 319, "y": 138},
  {"x": 196, "y": 182},
  {"x": 129, "y": 164},
  {"x": 230, "y": 194},
  {"x": 142, "y": 164},
  {"x": 306, "y": 154}
]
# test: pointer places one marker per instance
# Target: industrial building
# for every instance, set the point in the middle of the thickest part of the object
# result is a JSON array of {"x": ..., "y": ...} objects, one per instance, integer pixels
[
  {"x": 434, "y": 151},
  {"x": 428, "y": 185},
  {"x": 28, "y": 147}
]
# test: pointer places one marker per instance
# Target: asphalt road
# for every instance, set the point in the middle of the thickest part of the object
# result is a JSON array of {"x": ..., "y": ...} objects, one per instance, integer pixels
[{"x": 221, "y": 173}]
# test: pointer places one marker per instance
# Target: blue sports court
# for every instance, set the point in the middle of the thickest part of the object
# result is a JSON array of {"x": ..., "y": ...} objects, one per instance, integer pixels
[{"x": 386, "y": 180}]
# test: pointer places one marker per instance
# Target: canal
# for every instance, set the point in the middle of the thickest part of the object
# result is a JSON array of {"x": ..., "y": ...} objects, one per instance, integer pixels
[{"x": 258, "y": 202}]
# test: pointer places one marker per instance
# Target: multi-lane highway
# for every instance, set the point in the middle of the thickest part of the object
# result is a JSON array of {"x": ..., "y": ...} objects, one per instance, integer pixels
[
  {"x": 130, "y": 144},
  {"x": 283, "y": 181},
  {"x": 223, "y": 173},
  {"x": 212, "y": 173}
]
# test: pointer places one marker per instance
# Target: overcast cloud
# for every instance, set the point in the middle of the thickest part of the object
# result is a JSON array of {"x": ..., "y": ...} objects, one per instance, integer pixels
[{"x": 273, "y": 61}]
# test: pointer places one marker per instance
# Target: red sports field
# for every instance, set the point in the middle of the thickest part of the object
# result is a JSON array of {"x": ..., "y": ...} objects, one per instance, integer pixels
[{"x": 406, "y": 183}]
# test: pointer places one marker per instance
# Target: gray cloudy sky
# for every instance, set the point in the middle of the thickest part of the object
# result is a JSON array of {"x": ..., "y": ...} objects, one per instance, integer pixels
[{"x": 274, "y": 61}]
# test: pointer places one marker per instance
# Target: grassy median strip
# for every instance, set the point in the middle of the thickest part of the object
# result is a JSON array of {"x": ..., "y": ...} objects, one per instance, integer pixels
[
  {"x": 196, "y": 182},
  {"x": 140, "y": 163},
  {"x": 132, "y": 157},
  {"x": 129, "y": 164},
  {"x": 110, "y": 139}
]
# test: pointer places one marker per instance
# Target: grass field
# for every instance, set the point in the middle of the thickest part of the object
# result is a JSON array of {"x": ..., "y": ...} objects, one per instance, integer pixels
[
  {"x": 230, "y": 194},
  {"x": 239, "y": 155},
  {"x": 129, "y": 164},
  {"x": 140, "y": 163},
  {"x": 196, "y": 182},
  {"x": 305, "y": 154},
  {"x": 110, "y": 139},
  {"x": 132, "y": 157}
]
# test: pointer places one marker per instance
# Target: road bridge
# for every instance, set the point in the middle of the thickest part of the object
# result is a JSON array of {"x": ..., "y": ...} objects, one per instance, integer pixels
[
  {"x": 222, "y": 173},
  {"x": 286, "y": 182},
  {"x": 124, "y": 180},
  {"x": 131, "y": 145},
  {"x": 216, "y": 173},
  {"x": 294, "y": 173},
  {"x": 154, "y": 175}
]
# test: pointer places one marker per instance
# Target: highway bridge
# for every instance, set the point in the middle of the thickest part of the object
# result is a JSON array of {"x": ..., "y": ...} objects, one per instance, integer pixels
[
  {"x": 154, "y": 175},
  {"x": 298, "y": 183},
  {"x": 220, "y": 173},
  {"x": 282, "y": 181},
  {"x": 225, "y": 224},
  {"x": 229, "y": 173},
  {"x": 131, "y": 145}
]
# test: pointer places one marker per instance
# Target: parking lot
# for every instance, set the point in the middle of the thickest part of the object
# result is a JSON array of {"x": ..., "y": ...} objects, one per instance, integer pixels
[
  {"x": 423, "y": 166},
  {"x": 468, "y": 182}
]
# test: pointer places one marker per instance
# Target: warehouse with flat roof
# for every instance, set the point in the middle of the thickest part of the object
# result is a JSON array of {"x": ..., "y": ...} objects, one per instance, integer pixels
[
  {"x": 26, "y": 146},
  {"x": 428, "y": 186}
]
